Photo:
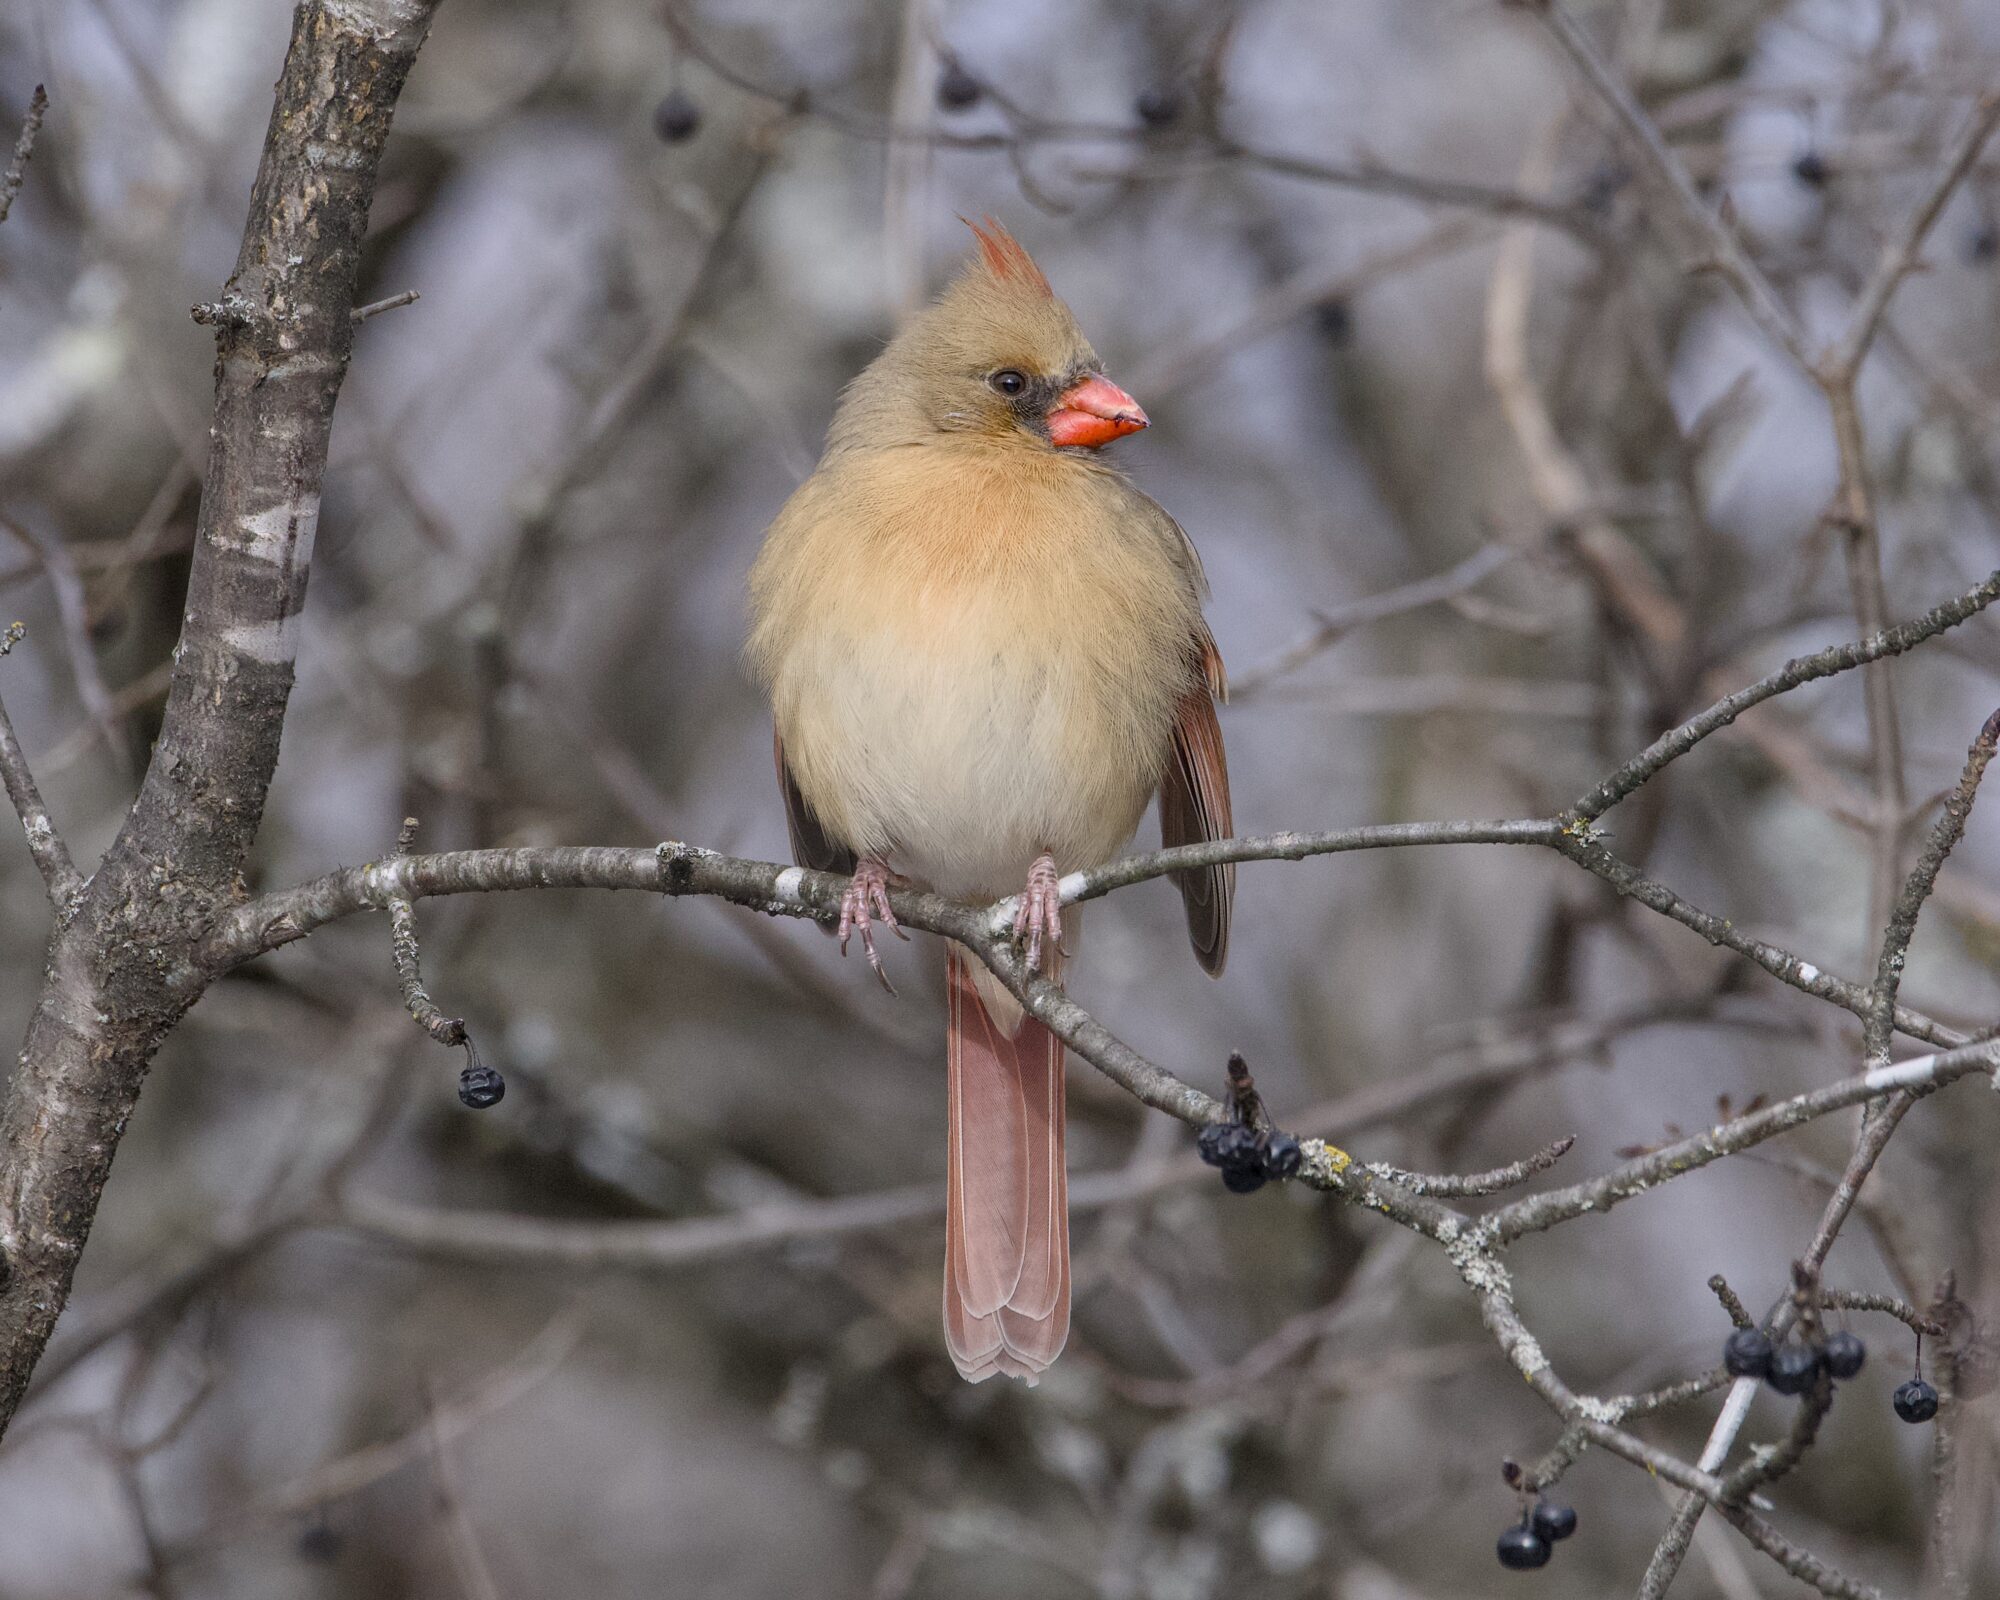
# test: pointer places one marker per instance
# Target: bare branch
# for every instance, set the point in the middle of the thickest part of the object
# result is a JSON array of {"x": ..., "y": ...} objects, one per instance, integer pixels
[
  {"x": 1542, "y": 1211},
  {"x": 51, "y": 855},
  {"x": 1446, "y": 1186},
  {"x": 24, "y": 146},
  {"x": 1677, "y": 741},
  {"x": 1335, "y": 621},
  {"x": 1723, "y": 251},
  {"x": 1901, "y": 254},
  {"x": 1945, "y": 834},
  {"x": 479, "y": 1086}
]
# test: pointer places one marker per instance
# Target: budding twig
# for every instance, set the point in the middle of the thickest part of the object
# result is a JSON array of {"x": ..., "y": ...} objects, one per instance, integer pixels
[{"x": 479, "y": 1086}]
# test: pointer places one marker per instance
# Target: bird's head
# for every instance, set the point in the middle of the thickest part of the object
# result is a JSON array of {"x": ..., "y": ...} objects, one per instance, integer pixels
[{"x": 997, "y": 355}]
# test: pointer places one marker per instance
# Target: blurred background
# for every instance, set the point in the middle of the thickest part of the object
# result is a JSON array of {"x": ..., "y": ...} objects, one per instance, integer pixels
[{"x": 1346, "y": 256}]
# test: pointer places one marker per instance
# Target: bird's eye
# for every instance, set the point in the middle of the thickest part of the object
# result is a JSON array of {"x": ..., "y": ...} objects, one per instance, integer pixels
[{"x": 1008, "y": 381}]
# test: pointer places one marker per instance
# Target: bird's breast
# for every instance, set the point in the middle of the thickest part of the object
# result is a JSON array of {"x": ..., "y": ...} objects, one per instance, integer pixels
[{"x": 971, "y": 689}]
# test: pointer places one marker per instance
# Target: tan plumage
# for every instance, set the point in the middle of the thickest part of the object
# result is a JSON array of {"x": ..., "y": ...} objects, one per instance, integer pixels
[{"x": 983, "y": 646}]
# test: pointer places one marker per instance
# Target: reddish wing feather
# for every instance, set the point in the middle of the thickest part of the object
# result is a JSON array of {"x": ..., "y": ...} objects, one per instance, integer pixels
[{"x": 1194, "y": 808}]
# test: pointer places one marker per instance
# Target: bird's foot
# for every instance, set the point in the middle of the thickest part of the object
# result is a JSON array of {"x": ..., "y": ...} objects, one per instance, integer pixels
[
  {"x": 1040, "y": 916},
  {"x": 866, "y": 898}
]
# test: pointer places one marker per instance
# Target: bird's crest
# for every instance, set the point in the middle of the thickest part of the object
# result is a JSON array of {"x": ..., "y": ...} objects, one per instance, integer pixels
[{"x": 1003, "y": 256}]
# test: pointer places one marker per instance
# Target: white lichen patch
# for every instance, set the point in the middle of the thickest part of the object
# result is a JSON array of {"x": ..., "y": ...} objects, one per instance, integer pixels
[
  {"x": 278, "y": 534},
  {"x": 1477, "y": 1265},
  {"x": 274, "y": 640},
  {"x": 1595, "y": 1408},
  {"x": 786, "y": 890},
  {"x": 1808, "y": 973}
]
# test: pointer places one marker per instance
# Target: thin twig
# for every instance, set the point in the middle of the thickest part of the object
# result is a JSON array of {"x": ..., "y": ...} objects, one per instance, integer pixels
[
  {"x": 1853, "y": 1300},
  {"x": 24, "y": 146},
  {"x": 44, "y": 843},
  {"x": 1335, "y": 621},
  {"x": 375, "y": 308},
  {"x": 1538, "y": 1212},
  {"x": 409, "y": 972},
  {"x": 1901, "y": 254},
  {"x": 1448, "y": 1186},
  {"x": 1677, "y": 741},
  {"x": 1723, "y": 251},
  {"x": 73, "y": 613},
  {"x": 1945, "y": 834}
]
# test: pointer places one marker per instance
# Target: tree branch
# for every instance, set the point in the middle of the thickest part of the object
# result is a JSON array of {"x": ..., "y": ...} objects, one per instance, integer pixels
[{"x": 121, "y": 970}]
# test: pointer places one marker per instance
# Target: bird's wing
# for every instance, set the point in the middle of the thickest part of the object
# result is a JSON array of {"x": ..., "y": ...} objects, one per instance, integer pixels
[
  {"x": 1194, "y": 807},
  {"x": 811, "y": 845}
]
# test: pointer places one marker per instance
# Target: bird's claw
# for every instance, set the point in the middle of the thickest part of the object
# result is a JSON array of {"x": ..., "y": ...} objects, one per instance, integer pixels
[
  {"x": 866, "y": 898},
  {"x": 1040, "y": 913}
]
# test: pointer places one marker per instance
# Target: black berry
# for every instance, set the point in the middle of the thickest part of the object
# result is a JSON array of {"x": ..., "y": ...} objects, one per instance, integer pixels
[
  {"x": 1523, "y": 1549},
  {"x": 1748, "y": 1353},
  {"x": 677, "y": 118},
  {"x": 1793, "y": 1369},
  {"x": 1282, "y": 1156},
  {"x": 1228, "y": 1145},
  {"x": 480, "y": 1087},
  {"x": 1158, "y": 107},
  {"x": 1243, "y": 1180},
  {"x": 1916, "y": 1401},
  {"x": 1843, "y": 1355},
  {"x": 1553, "y": 1522},
  {"x": 957, "y": 89},
  {"x": 1811, "y": 170}
]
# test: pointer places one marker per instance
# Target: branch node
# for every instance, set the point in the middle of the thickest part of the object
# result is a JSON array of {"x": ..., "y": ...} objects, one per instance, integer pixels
[
  {"x": 677, "y": 866},
  {"x": 230, "y": 310}
]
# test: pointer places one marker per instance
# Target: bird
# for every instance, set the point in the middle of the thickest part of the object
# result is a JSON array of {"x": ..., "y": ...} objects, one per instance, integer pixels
[{"x": 985, "y": 655}]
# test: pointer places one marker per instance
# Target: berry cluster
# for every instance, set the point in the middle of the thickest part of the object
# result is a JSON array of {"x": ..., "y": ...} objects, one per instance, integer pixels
[
  {"x": 1529, "y": 1542},
  {"x": 1791, "y": 1368},
  {"x": 1247, "y": 1148},
  {"x": 1249, "y": 1157},
  {"x": 1794, "y": 1368}
]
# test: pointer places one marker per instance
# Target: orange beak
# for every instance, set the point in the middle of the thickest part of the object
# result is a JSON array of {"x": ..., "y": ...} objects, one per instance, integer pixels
[{"x": 1093, "y": 413}]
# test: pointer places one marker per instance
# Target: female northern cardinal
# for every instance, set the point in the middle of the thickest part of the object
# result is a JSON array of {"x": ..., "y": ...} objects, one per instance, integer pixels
[{"x": 985, "y": 652}]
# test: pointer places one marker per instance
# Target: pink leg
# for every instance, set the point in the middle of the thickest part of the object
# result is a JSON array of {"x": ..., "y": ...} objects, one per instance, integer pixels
[
  {"x": 1040, "y": 916},
  {"x": 867, "y": 897}
]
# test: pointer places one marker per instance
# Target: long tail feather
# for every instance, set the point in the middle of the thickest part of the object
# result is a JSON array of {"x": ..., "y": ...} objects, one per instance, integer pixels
[{"x": 1006, "y": 1277}]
